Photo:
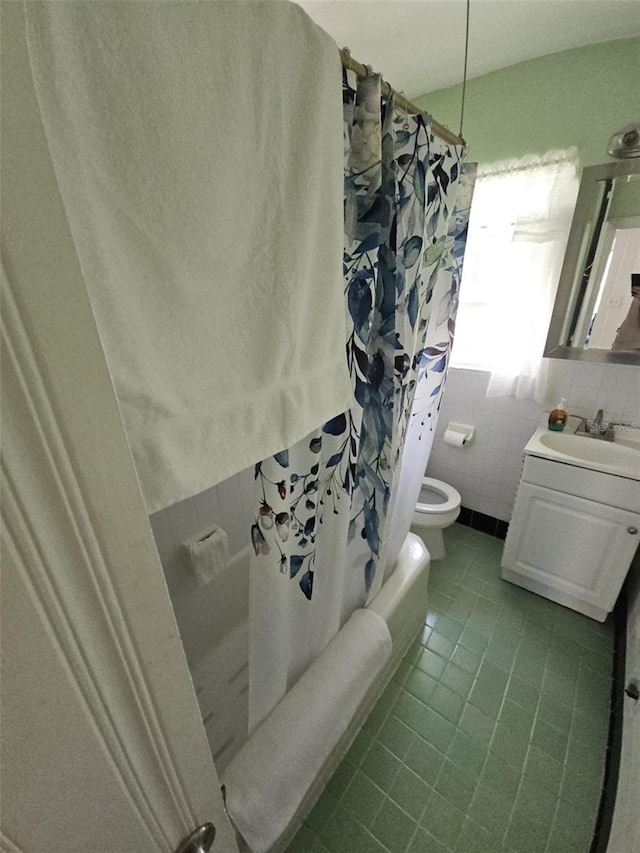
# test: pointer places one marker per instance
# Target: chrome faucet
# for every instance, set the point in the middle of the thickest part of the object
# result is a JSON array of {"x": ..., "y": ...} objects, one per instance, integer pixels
[{"x": 597, "y": 428}]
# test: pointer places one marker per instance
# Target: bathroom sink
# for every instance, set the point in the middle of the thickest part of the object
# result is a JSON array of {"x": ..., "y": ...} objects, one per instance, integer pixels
[
  {"x": 591, "y": 449},
  {"x": 621, "y": 457}
]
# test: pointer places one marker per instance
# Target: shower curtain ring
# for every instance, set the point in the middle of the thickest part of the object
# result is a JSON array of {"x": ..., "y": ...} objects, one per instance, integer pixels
[{"x": 405, "y": 126}]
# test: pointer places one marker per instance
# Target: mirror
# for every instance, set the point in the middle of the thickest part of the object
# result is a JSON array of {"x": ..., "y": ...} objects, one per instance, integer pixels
[{"x": 596, "y": 316}]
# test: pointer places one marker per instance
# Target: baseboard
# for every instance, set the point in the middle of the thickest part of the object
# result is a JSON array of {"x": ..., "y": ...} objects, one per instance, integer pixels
[{"x": 484, "y": 523}]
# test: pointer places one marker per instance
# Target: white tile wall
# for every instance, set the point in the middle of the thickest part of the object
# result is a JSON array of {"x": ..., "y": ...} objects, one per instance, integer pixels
[
  {"x": 221, "y": 680},
  {"x": 588, "y": 387},
  {"x": 488, "y": 471},
  {"x": 206, "y": 613},
  {"x": 212, "y": 618}
]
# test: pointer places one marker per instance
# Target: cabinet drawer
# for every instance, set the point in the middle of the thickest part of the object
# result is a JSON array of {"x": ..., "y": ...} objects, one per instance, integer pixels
[{"x": 606, "y": 489}]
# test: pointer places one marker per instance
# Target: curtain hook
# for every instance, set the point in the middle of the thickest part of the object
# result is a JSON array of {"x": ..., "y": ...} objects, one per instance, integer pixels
[{"x": 405, "y": 126}]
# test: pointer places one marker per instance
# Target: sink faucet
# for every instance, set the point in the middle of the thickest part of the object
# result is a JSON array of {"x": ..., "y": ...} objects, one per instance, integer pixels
[{"x": 597, "y": 428}]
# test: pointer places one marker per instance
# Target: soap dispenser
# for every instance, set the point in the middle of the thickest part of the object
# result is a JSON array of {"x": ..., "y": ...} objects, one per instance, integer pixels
[{"x": 558, "y": 417}]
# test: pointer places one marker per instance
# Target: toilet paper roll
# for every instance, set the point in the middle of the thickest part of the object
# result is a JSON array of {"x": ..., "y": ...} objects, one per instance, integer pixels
[{"x": 455, "y": 438}]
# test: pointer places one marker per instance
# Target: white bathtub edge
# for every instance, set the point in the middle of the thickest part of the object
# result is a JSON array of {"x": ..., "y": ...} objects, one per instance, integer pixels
[{"x": 405, "y": 590}]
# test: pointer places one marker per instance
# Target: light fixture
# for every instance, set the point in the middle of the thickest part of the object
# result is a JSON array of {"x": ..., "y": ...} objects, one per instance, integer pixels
[{"x": 626, "y": 143}]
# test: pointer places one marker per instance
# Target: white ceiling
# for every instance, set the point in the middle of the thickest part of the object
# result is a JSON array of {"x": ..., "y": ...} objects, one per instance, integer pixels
[{"x": 418, "y": 45}]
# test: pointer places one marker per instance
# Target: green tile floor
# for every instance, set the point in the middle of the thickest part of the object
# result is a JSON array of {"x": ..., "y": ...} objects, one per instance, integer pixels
[{"x": 491, "y": 737}]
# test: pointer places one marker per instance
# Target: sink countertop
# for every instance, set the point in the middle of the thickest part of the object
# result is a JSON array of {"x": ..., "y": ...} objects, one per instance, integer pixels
[{"x": 620, "y": 457}]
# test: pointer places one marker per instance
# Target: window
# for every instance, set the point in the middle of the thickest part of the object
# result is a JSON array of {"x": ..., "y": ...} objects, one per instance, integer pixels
[{"x": 518, "y": 229}]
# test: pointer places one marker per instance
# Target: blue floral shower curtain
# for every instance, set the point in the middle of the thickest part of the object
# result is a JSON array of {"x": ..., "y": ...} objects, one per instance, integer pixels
[
  {"x": 432, "y": 362},
  {"x": 321, "y": 531}
]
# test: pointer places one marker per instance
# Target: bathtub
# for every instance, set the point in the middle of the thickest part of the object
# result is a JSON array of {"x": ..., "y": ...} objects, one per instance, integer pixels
[
  {"x": 213, "y": 624},
  {"x": 402, "y": 604}
]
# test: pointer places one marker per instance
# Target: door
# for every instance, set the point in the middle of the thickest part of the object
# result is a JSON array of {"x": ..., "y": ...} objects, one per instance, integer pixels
[
  {"x": 575, "y": 551},
  {"x": 625, "y": 830},
  {"x": 103, "y": 747}
]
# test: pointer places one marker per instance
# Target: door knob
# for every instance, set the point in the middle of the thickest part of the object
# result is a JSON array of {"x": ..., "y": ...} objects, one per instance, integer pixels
[
  {"x": 199, "y": 841},
  {"x": 632, "y": 530}
]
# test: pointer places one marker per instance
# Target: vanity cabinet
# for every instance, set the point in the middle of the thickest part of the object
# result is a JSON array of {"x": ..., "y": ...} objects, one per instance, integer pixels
[{"x": 573, "y": 535}]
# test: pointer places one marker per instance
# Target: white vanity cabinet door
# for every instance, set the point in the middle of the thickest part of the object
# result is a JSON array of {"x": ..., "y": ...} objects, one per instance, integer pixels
[{"x": 569, "y": 549}]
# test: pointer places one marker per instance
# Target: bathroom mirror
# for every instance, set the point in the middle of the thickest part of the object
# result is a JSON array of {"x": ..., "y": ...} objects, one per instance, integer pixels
[{"x": 596, "y": 316}]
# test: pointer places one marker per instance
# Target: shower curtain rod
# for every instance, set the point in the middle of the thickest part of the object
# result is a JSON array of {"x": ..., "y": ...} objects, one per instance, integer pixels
[{"x": 387, "y": 91}]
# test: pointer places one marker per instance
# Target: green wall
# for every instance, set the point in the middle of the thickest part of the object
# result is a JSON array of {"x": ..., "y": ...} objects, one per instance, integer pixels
[{"x": 578, "y": 97}]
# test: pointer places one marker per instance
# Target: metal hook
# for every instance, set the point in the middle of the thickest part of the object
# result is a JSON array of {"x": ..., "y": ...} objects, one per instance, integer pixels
[{"x": 405, "y": 126}]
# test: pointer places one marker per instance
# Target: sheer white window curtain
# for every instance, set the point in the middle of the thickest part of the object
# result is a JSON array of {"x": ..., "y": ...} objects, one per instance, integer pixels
[{"x": 518, "y": 230}]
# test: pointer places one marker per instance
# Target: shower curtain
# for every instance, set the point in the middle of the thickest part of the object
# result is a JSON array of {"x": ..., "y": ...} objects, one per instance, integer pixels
[
  {"x": 323, "y": 526},
  {"x": 433, "y": 364}
]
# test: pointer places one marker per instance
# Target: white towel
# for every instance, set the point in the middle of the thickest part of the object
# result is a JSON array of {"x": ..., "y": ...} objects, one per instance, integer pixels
[
  {"x": 268, "y": 778},
  {"x": 198, "y": 151},
  {"x": 208, "y": 554}
]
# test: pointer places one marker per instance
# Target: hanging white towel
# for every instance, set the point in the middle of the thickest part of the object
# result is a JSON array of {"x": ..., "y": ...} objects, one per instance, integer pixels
[
  {"x": 208, "y": 554},
  {"x": 198, "y": 151}
]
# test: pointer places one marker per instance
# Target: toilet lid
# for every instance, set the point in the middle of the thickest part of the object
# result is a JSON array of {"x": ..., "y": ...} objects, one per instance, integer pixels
[{"x": 436, "y": 496}]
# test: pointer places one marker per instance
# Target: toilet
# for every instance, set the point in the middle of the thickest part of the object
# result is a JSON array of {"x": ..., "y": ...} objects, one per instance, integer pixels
[{"x": 438, "y": 506}]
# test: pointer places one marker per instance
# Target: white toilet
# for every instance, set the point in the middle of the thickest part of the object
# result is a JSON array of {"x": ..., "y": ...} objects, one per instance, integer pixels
[{"x": 438, "y": 506}]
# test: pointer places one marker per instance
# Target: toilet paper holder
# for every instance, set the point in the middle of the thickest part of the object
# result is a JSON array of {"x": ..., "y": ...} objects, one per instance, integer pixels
[{"x": 459, "y": 435}]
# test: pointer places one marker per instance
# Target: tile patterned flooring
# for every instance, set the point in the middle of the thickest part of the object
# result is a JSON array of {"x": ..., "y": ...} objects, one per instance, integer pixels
[{"x": 491, "y": 737}]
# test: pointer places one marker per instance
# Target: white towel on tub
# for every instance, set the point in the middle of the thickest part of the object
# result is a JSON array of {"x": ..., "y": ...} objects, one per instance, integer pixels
[
  {"x": 268, "y": 778},
  {"x": 198, "y": 152}
]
